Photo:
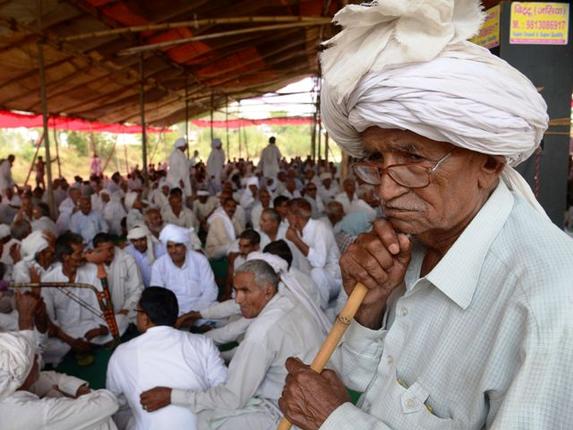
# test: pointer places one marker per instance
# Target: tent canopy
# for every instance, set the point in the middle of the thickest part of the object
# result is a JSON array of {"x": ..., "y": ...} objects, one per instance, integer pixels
[{"x": 95, "y": 77}]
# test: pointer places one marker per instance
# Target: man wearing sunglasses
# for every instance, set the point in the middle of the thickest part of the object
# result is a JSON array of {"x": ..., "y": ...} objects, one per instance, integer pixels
[{"x": 467, "y": 322}]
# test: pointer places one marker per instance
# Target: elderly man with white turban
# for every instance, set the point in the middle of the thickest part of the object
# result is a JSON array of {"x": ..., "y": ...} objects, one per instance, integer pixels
[
  {"x": 215, "y": 162},
  {"x": 328, "y": 188},
  {"x": 178, "y": 174},
  {"x": 467, "y": 322},
  {"x": 30, "y": 399},
  {"x": 281, "y": 327},
  {"x": 184, "y": 271}
]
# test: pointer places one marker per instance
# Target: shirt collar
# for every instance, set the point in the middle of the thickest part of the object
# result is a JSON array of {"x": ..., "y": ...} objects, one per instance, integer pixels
[
  {"x": 458, "y": 272},
  {"x": 309, "y": 227}
]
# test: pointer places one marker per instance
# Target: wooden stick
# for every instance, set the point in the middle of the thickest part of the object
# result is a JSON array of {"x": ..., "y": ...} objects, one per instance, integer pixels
[
  {"x": 334, "y": 336},
  {"x": 170, "y": 43},
  {"x": 195, "y": 23}
]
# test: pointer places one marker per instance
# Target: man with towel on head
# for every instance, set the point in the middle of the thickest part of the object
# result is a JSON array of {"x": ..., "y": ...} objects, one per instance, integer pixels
[
  {"x": 178, "y": 174},
  {"x": 30, "y": 399},
  {"x": 467, "y": 322},
  {"x": 280, "y": 327},
  {"x": 133, "y": 206},
  {"x": 144, "y": 250},
  {"x": 185, "y": 272}
]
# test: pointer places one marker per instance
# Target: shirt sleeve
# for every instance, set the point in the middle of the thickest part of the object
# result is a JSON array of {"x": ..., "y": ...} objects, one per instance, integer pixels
[
  {"x": 317, "y": 250},
  {"x": 156, "y": 278},
  {"x": 229, "y": 332},
  {"x": 349, "y": 417},
  {"x": 357, "y": 358},
  {"x": 134, "y": 283},
  {"x": 209, "y": 289},
  {"x": 246, "y": 372},
  {"x": 215, "y": 368},
  {"x": 65, "y": 383},
  {"x": 84, "y": 412}
]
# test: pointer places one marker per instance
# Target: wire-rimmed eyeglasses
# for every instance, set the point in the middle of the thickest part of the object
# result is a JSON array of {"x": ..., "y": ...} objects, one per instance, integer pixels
[{"x": 409, "y": 175}]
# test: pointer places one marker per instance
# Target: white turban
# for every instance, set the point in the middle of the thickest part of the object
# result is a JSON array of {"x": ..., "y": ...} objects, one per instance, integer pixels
[
  {"x": 32, "y": 244},
  {"x": 17, "y": 353},
  {"x": 174, "y": 233},
  {"x": 140, "y": 232},
  {"x": 4, "y": 231},
  {"x": 180, "y": 143},
  {"x": 413, "y": 69},
  {"x": 203, "y": 193},
  {"x": 278, "y": 264},
  {"x": 325, "y": 175},
  {"x": 252, "y": 180},
  {"x": 130, "y": 199}
]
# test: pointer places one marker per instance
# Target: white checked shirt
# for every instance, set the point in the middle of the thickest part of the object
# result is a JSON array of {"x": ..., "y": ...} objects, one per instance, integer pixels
[{"x": 485, "y": 340}]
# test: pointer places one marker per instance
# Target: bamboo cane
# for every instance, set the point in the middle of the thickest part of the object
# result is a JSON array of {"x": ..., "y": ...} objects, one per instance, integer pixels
[
  {"x": 342, "y": 322},
  {"x": 195, "y": 23},
  {"x": 170, "y": 43}
]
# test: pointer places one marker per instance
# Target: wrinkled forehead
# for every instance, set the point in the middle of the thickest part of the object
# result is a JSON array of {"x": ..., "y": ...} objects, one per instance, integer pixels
[{"x": 377, "y": 140}]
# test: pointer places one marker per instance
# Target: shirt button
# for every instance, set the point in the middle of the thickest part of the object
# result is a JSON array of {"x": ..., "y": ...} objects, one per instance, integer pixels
[
  {"x": 410, "y": 403},
  {"x": 403, "y": 311}
]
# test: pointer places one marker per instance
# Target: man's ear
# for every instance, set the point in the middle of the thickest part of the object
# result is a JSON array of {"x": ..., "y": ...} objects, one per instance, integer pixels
[{"x": 491, "y": 168}]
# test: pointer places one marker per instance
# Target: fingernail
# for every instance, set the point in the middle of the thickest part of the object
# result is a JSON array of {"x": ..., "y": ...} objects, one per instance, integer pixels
[{"x": 394, "y": 249}]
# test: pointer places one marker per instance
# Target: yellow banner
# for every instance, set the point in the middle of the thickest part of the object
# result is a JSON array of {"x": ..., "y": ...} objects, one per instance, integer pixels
[
  {"x": 539, "y": 23},
  {"x": 488, "y": 36}
]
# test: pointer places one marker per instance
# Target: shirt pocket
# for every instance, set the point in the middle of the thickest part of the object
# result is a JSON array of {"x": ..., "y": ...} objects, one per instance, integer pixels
[{"x": 413, "y": 404}]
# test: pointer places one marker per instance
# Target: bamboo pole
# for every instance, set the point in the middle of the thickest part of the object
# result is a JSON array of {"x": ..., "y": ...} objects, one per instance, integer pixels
[
  {"x": 195, "y": 24},
  {"x": 142, "y": 109},
  {"x": 342, "y": 322},
  {"x": 187, "y": 115},
  {"x": 212, "y": 107},
  {"x": 44, "y": 103},
  {"x": 326, "y": 148},
  {"x": 227, "y": 124},
  {"x": 57, "y": 143},
  {"x": 170, "y": 43},
  {"x": 38, "y": 145}
]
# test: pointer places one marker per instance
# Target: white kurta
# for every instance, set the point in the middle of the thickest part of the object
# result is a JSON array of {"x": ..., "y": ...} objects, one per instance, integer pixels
[
  {"x": 73, "y": 318},
  {"x": 323, "y": 256},
  {"x": 257, "y": 372},
  {"x": 193, "y": 283},
  {"x": 45, "y": 224},
  {"x": 134, "y": 217},
  {"x": 186, "y": 217},
  {"x": 6, "y": 180},
  {"x": 186, "y": 361},
  {"x": 203, "y": 210},
  {"x": 37, "y": 409},
  {"x": 113, "y": 213},
  {"x": 269, "y": 162},
  {"x": 125, "y": 282},
  {"x": 215, "y": 164},
  {"x": 87, "y": 226},
  {"x": 353, "y": 205},
  {"x": 221, "y": 236},
  {"x": 179, "y": 171}
]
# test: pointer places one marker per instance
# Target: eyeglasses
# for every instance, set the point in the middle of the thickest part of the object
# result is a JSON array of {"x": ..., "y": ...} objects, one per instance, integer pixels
[{"x": 409, "y": 175}]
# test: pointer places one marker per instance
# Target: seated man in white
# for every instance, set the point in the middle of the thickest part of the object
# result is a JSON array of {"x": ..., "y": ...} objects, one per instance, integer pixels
[
  {"x": 30, "y": 399},
  {"x": 315, "y": 239},
  {"x": 185, "y": 272},
  {"x": 222, "y": 233},
  {"x": 281, "y": 328},
  {"x": 75, "y": 324},
  {"x": 144, "y": 250},
  {"x": 162, "y": 355},
  {"x": 86, "y": 222},
  {"x": 123, "y": 277},
  {"x": 176, "y": 212}
]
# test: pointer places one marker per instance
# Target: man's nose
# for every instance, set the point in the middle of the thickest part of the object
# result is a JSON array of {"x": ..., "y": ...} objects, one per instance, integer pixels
[{"x": 389, "y": 189}]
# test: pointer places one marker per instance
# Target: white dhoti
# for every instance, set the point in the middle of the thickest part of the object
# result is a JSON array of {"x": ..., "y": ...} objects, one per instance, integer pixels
[
  {"x": 258, "y": 414},
  {"x": 328, "y": 286}
]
